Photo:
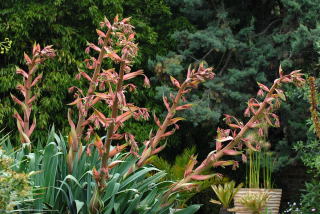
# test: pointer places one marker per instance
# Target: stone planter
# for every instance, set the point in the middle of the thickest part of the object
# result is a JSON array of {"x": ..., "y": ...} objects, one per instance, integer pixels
[{"x": 273, "y": 203}]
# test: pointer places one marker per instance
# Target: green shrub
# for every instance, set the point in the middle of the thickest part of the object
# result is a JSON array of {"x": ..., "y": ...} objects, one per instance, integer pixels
[
  {"x": 310, "y": 198},
  {"x": 310, "y": 153},
  {"x": 15, "y": 188}
]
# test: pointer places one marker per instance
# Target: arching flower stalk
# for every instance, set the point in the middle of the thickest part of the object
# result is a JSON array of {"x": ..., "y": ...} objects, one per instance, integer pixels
[
  {"x": 230, "y": 142},
  {"x": 194, "y": 77}
]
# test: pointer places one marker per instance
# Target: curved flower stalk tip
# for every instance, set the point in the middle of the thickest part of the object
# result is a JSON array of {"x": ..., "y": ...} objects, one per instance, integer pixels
[
  {"x": 194, "y": 77},
  {"x": 230, "y": 141},
  {"x": 38, "y": 57}
]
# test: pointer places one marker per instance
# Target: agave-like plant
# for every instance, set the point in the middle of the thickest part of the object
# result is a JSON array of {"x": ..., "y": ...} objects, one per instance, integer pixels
[
  {"x": 255, "y": 202},
  {"x": 55, "y": 190},
  {"x": 225, "y": 193}
]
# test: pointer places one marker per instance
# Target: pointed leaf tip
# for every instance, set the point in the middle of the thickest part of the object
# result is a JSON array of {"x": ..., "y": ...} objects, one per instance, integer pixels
[{"x": 175, "y": 82}]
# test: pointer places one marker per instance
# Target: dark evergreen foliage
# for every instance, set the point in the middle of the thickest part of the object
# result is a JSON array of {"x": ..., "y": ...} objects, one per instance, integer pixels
[{"x": 245, "y": 41}]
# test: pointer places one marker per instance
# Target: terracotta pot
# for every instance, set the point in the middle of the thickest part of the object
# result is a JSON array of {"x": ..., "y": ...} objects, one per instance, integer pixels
[{"x": 273, "y": 203}]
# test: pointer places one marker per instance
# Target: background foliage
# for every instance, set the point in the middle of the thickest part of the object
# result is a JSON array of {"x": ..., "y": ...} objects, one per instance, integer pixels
[{"x": 68, "y": 25}]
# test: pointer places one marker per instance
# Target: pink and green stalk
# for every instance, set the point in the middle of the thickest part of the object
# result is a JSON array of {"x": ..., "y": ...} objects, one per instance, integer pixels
[
  {"x": 25, "y": 127},
  {"x": 119, "y": 35},
  {"x": 262, "y": 112},
  {"x": 194, "y": 77},
  {"x": 84, "y": 104}
]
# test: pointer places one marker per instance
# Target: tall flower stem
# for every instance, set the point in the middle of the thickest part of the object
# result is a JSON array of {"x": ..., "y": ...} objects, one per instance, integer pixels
[
  {"x": 161, "y": 130},
  {"x": 92, "y": 87},
  {"x": 38, "y": 57},
  {"x": 110, "y": 130}
]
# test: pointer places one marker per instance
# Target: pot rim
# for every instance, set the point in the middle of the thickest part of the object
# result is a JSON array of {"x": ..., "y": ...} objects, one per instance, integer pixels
[{"x": 261, "y": 189}]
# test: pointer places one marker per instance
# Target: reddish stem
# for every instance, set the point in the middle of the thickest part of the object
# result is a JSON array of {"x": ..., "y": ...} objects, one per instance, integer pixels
[
  {"x": 27, "y": 111},
  {"x": 155, "y": 141},
  {"x": 114, "y": 114},
  {"x": 81, "y": 118}
]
